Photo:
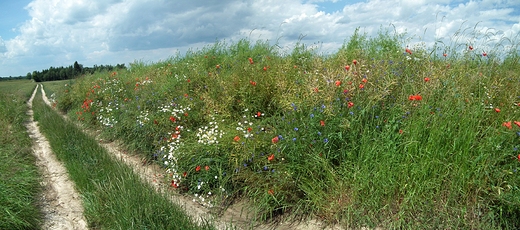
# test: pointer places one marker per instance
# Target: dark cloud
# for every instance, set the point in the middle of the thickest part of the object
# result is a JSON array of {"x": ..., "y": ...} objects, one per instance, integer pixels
[{"x": 177, "y": 24}]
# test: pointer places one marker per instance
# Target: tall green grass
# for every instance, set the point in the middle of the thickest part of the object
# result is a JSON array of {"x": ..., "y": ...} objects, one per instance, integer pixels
[
  {"x": 113, "y": 196},
  {"x": 19, "y": 180},
  {"x": 376, "y": 134}
]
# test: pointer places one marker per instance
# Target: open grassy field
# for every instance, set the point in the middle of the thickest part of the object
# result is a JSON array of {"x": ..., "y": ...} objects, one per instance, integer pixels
[
  {"x": 375, "y": 134},
  {"x": 19, "y": 177}
]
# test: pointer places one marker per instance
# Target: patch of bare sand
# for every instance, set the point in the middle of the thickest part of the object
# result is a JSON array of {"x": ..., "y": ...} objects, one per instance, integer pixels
[
  {"x": 61, "y": 204},
  {"x": 237, "y": 216}
]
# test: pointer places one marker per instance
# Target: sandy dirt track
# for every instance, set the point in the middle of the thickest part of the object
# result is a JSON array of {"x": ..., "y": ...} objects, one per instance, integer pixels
[{"x": 61, "y": 204}]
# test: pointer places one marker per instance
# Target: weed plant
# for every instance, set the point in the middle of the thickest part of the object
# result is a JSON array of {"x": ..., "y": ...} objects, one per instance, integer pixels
[
  {"x": 376, "y": 134},
  {"x": 19, "y": 176}
]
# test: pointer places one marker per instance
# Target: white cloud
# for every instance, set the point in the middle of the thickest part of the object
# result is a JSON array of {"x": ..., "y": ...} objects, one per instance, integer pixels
[
  {"x": 116, "y": 31},
  {"x": 3, "y": 49}
]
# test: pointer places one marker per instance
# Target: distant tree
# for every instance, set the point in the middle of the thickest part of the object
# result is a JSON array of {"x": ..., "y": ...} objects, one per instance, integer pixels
[
  {"x": 29, "y": 76},
  {"x": 77, "y": 68}
]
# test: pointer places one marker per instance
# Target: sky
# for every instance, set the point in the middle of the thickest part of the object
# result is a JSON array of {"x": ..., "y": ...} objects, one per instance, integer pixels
[{"x": 38, "y": 34}]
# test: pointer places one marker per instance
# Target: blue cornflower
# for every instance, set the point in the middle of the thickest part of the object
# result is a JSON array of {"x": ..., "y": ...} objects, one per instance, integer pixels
[
  {"x": 294, "y": 139},
  {"x": 326, "y": 140},
  {"x": 295, "y": 128}
]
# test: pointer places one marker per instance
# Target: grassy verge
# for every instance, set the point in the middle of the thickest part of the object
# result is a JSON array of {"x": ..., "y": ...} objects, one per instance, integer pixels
[
  {"x": 376, "y": 134},
  {"x": 53, "y": 88},
  {"x": 113, "y": 196},
  {"x": 19, "y": 177}
]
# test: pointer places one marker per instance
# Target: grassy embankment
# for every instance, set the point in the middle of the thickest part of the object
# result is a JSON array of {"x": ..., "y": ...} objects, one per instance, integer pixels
[
  {"x": 375, "y": 134},
  {"x": 113, "y": 196},
  {"x": 19, "y": 177}
]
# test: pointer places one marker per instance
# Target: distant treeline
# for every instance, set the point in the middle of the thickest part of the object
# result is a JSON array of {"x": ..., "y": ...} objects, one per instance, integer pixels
[
  {"x": 72, "y": 71},
  {"x": 12, "y": 78}
]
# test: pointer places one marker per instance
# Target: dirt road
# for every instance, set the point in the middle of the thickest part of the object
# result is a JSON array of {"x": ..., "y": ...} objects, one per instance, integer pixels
[{"x": 61, "y": 204}]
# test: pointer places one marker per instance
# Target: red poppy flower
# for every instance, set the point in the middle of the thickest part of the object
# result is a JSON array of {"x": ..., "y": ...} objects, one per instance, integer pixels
[
  {"x": 174, "y": 184},
  {"x": 408, "y": 51},
  {"x": 249, "y": 129},
  {"x": 258, "y": 114},
  {"x": 415, "y": 97},
  {"x": 518, "y": 157},
  {"x": 270, "y": 157},
  {"x": 354, "y": 62},
  {"x": 338, "y": 83},
  {"x": 470, "y": 47},
  {"x": 316, "y": 90},
  {"x": 350, "y": 104},
  {"x": 497, "y": 110},
  {"x": 206, "y": 168},
  {"x": 275, "y": 140},
  {"x": 444, "y": 54},
  {"x": 484, "y": 54},
  {"x": 237, "y": 138},
  {"x": 361, "y": 86},
  {"x": 401, "y": 131},
  {"x": 517, "y": 123},
  {"x": 197, "y": 168},
  {"x": 364, "y": 80},
  {"x": 217, "y": 66},
  {"x": 426, "y": 79},
  {"x": 507, "y": 125},
  {"x": 265, "y": 68},
  {"x": 252, "y": 83},
  {"x": 251, "y": 60},
  {"x": 270, "y": 192},
  {"x": 347, "y": 67},
  {"x": 172, "y": 118},
  {"x": 184, "y": 174},
  {"x": 322, "y": 123}
]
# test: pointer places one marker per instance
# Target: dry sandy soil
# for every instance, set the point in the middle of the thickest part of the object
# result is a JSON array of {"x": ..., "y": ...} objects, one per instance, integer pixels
[{"x": 63, "y": 206}]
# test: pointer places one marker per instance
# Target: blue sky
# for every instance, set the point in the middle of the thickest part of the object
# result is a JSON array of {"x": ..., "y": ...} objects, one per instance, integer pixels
[{"x": 35, "y": 35}]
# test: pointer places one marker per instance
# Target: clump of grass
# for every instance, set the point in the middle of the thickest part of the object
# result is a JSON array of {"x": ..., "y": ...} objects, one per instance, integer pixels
[
  {"x": 377, "y": 134},
  {"x": 19, "y": 183},
  {"x": 113, "y": 196}
]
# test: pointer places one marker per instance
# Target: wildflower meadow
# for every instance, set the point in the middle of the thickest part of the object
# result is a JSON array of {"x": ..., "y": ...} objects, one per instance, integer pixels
[{"x": 379, "y": 133}]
